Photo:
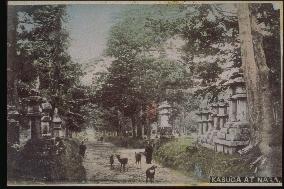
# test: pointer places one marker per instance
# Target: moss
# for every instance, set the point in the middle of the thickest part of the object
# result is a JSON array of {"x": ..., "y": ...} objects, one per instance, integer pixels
[{"x": 174, "y": 154}]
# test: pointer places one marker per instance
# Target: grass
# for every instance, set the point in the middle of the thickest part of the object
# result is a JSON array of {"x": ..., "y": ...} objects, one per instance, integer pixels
[{"x": 174, "y": 154}]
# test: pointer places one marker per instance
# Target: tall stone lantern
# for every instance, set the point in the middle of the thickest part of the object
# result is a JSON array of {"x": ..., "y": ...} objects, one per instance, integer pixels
[
  {"x": 199, "y": 122},
  {"x": 214, "y": 113},
  {"x": 206, "y": 120},
  {"x": 164, "y": 114},
  {"x": 33, "y": 113},
  {"x": 56, "y": 122},
  {"x": 223, "y": 116},
  {"x": 46, "y": 128}
]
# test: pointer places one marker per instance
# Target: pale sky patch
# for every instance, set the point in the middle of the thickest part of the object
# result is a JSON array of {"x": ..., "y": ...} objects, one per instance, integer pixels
[{"x": 89, "y": 27}]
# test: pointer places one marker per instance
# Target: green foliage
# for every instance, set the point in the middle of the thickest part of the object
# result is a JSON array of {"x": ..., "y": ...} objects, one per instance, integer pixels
[
  {"x": 136, "y": 79},
  {"x": 38, "y": 162},
  {"x": 207, "y": 29},
  {"x": 42, "y": 42},
  {"x": 174, "y": 154}
]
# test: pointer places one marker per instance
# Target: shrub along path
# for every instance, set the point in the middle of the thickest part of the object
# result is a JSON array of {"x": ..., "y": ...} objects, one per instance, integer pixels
[{"x": 96, "y": 163}]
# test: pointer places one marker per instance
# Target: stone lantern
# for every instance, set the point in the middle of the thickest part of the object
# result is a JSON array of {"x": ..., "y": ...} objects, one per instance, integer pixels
[
  {"x": 237, "y": 100},
  {"x": 46, "y": 128},
  {"x": 200, "y": 130},
  {"x": 235, "y": 135},
  {"x": 57, "y": 127},
  {"x": 13, "y": 129},
  {"x": 214, "y": 113},
  {"x": 164, "y": 114},
  {"x": 34, "y": 114},
  {"x": 210, "y": 122},
  {"x": 205, "y": 125},
  {"x": 222, "y": 113}
]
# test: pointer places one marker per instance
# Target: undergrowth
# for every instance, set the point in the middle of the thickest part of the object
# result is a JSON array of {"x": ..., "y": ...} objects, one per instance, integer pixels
[
  {"x": 175, "y": 155},
  {"x": 40, "y": 161}
]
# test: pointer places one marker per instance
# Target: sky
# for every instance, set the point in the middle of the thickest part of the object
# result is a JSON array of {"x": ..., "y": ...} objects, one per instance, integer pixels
[{"x": 89, "y": 26}]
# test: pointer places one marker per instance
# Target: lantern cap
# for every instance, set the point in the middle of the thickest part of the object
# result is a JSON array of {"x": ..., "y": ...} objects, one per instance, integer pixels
[
  {"x": 235, "y": 81},
  {"x": 164, "y": 105},
  {"x": 56, "y": 119}
]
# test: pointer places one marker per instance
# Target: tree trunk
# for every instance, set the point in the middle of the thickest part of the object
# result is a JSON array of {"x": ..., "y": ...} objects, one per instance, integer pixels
[
  {"x": 142, "y": 130},
  {"x": 12, "y": 63},
  {"x": 133, "y": 124},
  {"x": 148, "y": 125},
  {"x": 256, "y": 73},
  {"x": 139, "y": 123}
]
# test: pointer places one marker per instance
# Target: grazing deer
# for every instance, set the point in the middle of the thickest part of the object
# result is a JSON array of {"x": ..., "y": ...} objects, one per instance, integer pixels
[
  {"x": 138, "y": 158},
  {"x": 122, "y": 161},
  {"x": 111, "y": 160},
  {"x": 150, "y": 173}
]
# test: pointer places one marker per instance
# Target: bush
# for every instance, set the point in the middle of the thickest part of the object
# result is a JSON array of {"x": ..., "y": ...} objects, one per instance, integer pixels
[
  {"x": 182, "y": 155},
  {"x": 43, "y": 161}
]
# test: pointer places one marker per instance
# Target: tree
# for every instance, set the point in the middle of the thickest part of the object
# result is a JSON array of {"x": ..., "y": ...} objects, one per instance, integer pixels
[
  {"x": 259, "y": 91},
  {"x": 205, "y": 28},
  {"x": 129, "y": 86},
  {"x": 40, "y": 40},
  {"x": 209, "y": 33}
]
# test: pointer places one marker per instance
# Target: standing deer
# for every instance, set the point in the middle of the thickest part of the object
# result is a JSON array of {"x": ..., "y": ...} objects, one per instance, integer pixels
[
  {"x": 122, "y": 161},
  {"x": 138, "y": 158},
  {"x": 150, "y": 173}
]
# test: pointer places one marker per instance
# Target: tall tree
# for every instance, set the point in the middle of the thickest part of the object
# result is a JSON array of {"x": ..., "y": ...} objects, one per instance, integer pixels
[
  {"x": 39, "y": 38},
  {"x": 259, "y": 91}
]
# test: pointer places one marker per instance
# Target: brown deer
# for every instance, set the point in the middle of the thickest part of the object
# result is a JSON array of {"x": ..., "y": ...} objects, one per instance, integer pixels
[
  {"x": 122, "y": 161},
  {"x": 150, "y": 173},
  {"x": 138, "y": 158}
]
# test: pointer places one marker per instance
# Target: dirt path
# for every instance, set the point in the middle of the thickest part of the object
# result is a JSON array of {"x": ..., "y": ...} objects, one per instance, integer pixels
[{"x": 98, "y": 169}]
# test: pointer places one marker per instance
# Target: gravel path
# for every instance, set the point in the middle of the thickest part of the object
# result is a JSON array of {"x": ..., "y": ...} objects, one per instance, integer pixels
[{"x": 98, "y": 170}]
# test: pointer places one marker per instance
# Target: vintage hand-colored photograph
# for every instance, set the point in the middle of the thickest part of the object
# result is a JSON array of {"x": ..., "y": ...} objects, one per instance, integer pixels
[{"x": 144, "y": 93}]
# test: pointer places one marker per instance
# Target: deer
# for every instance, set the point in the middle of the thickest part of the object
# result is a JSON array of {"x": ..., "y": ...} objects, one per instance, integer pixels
[
  {"x": 150, "y": 173},
  {"x": 138, "y": 158},
  {"x": 122, "y": 161}
]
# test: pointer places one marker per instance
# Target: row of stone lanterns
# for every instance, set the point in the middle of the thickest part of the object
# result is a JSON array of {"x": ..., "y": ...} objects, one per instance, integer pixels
[
  {"x": 37, "y": 110},
  {"x": 211, "y": 121},
  {"x": 230, "y": 130},
  {"x": 235, "y": 135}
]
